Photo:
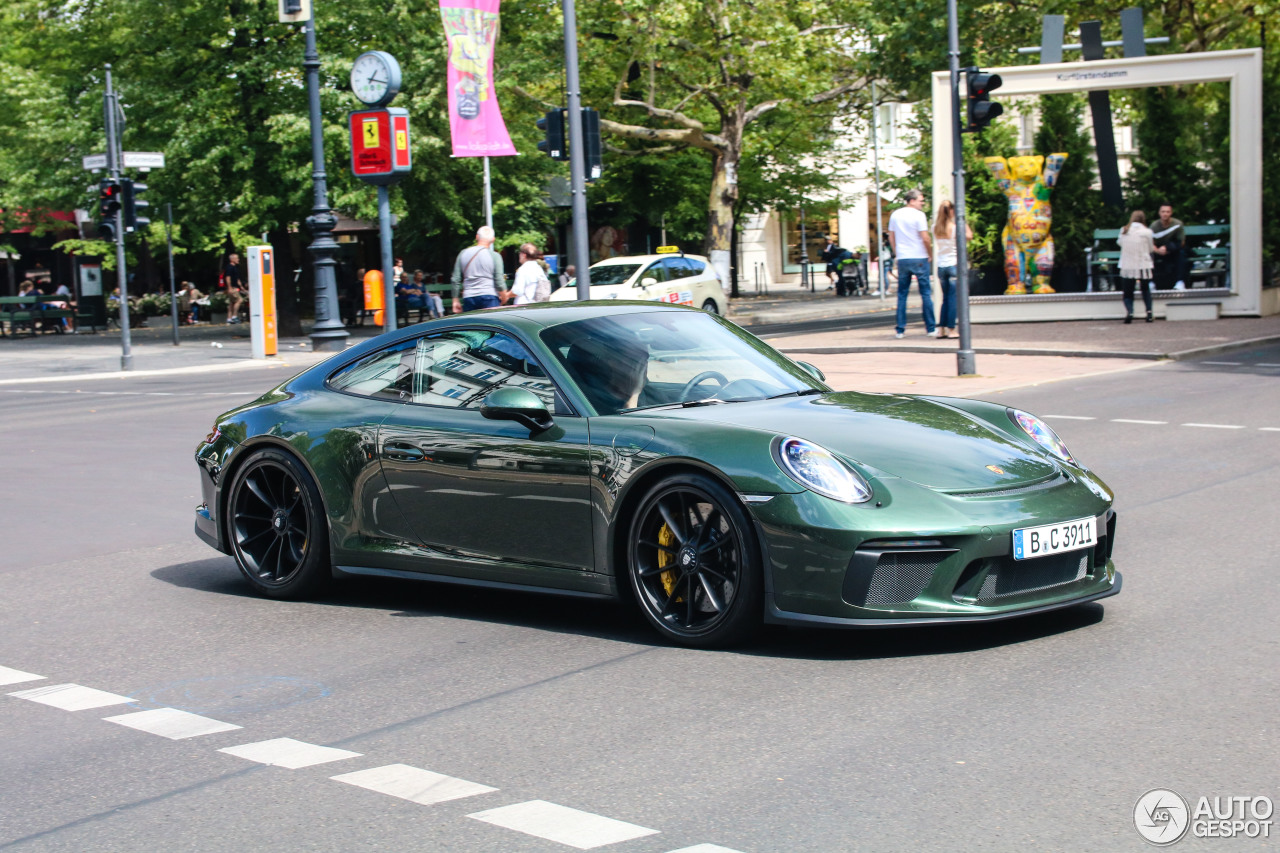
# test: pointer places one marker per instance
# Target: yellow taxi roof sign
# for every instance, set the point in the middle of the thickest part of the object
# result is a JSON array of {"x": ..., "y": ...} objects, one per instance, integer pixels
[{"x": 666, "y": 250}]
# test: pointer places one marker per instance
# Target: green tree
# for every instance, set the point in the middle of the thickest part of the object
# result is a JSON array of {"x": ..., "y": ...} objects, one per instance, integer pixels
[{"x": 1077, "y": 206}]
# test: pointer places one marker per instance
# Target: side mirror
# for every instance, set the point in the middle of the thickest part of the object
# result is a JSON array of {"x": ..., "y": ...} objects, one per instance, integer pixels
[
  {"x": 813, "y": 371},
  {"x": 648, "y": 282},
  {"x": 517, "y": 404}
]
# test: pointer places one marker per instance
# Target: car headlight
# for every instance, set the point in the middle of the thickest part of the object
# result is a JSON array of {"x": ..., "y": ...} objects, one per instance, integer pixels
[
  {"x": 818, "y": 470},
  {"x": 1041, "y": 434}
]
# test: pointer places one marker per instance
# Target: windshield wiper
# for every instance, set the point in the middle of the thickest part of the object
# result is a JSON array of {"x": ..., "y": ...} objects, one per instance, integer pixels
[{"x": 805, "y": 392}]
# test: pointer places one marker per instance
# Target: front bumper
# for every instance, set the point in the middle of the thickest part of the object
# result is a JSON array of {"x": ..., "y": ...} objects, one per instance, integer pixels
[{"x": 925, "y": 558}]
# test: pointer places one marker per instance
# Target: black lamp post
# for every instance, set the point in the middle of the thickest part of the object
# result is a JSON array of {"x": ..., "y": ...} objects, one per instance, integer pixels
[{"x": 328, "y": 334}]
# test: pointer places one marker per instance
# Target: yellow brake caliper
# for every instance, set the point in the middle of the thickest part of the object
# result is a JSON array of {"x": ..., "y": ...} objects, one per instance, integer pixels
[{"x": 666, "y": 539}]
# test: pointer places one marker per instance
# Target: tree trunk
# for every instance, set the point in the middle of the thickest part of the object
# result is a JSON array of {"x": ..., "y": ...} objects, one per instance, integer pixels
[{"x": 724, "y": 195}]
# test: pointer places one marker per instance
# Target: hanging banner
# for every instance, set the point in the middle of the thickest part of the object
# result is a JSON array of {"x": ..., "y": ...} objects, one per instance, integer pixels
[{"x": 471, "y": 28}]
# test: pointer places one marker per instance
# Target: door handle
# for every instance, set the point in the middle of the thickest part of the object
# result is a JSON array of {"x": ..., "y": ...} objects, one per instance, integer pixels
[{"x": 402, "y": 452}]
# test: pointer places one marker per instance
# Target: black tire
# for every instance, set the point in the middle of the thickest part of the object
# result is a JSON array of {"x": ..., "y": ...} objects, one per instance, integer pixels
[
  {"x": 711, "y": 307},
  {"x": 693, "y": 564},
  {"x": 276, "y": 527}
]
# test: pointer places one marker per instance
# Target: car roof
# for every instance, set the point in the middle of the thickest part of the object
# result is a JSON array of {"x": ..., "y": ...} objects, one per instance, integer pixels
[{"x": 644, "y": 259}]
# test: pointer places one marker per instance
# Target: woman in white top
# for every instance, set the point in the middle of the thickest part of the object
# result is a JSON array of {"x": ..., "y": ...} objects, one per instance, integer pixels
[
  {"x": 944, "y": 241},
  {"x": 531, "y": 282},
  {"x": 1136, "y": 248}
]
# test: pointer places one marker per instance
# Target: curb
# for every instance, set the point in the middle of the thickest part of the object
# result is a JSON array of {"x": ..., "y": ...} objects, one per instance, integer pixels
[
  {"x": 1148, "y": 356},
  {"x": 1229, "y": 346}
]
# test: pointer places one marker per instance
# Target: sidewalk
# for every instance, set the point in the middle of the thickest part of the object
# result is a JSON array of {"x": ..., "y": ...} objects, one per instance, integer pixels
[{"x": 871, "y": 358}]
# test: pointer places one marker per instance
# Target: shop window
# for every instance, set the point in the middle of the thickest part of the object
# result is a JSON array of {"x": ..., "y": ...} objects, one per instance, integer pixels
[{"x": 818, "y": 220}]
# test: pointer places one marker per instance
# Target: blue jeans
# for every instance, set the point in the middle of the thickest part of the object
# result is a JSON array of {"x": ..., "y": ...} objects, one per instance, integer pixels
[
  {"x": 472, "y": 303},
  {"x": 947, "y": 281},
  {"x": 918, "y": 267}
]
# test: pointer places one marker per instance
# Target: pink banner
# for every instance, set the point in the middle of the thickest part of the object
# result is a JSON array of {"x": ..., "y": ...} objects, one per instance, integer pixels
[{"x": 471, "y": 27}]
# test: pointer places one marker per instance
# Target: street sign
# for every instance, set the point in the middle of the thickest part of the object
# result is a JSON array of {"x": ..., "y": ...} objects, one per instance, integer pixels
[
  {"x": 144, "y": 160},
  {"x": 94, "y": 162},
  {"x": 292, "y": 11},
  {"x": 380, "y": 151}
]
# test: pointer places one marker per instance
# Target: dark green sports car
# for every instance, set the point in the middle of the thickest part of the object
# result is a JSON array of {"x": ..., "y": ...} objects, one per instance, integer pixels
[{"x": 657, "y": 454}]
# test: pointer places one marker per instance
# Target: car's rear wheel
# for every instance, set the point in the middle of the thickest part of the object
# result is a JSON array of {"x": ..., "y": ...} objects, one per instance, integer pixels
[
  {"x": 276, "y": 527},
  {"x": 693, "y": 563},
  {"x": 711, "y": 307}
]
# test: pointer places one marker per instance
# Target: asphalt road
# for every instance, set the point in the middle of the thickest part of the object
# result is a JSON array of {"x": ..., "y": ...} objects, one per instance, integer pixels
[{"x": 1036, "y": 734}]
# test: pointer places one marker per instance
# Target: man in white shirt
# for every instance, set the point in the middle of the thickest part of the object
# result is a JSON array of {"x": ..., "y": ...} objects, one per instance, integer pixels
[{"x": 912, "y": 246}]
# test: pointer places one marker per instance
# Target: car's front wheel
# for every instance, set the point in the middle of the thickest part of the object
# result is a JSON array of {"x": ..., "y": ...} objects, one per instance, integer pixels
[
  {"x": 275, "y": 523},
  {"x": 711, "y": 307},
  {"x": 693, "y": 563}
]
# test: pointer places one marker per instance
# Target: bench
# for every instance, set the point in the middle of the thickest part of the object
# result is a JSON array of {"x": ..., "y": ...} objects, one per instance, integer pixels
[
  {"x": 1207, "y": 253},
  {"x": 33, "y": 313}
]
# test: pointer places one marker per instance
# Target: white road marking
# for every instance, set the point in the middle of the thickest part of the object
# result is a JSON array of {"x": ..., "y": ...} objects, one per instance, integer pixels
[
  {"x": 1266, "y": 364},
  {"x": 72, "y": 697},
  {"x": 1071, "y": 417},
  {"x": 1132, "y": 421},
  {"x": 289, "y": 753},
  {"x": 705, "y": 848},
  {"x": 579, "y": 829},
  {"x": 1215, "y": 426},
  {"x": 17, "y": 676},
  {"x": 1269, "y": 429},
  {"x": 172, "y": 723},
  {"x": 413, "y": 784},
  {"x": 1224, "y": 363}
]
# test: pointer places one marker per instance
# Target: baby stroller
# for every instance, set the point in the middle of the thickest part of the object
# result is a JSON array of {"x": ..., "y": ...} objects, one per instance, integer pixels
[{"x": 849, "y": 281}]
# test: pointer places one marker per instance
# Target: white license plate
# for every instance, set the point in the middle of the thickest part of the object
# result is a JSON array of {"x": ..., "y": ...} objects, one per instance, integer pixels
[{"x": 1031, "y": 542}]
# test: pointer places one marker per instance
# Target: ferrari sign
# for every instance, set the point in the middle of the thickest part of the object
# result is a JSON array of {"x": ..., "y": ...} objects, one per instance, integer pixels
[{"x": 380, "y": 145}]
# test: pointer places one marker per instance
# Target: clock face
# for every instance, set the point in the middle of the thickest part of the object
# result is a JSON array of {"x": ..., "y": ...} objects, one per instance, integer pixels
[{"x": 375, "y": 77}]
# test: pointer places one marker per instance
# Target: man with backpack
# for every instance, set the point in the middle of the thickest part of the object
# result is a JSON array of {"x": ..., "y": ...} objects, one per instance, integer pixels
[{"x": 478, "y": 276}]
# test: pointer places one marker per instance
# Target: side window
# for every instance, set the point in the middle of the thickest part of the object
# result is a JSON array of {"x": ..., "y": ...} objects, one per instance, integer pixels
[
  {"x": 387, "y": 374},
  {"x": 675, "y": 268},
  {"x": 694, "y": 267},
  {"x": 656, "y": 270},
  {"x": 459, "y": 369}
]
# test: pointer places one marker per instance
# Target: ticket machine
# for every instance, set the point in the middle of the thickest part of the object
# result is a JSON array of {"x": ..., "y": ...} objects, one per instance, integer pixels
[{"x": 262, "y": 301}]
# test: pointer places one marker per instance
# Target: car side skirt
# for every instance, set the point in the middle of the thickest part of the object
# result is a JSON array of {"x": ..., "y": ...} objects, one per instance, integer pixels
[
  {"x": 775, "y": 616},
  {"x": 605, "y": 591}
]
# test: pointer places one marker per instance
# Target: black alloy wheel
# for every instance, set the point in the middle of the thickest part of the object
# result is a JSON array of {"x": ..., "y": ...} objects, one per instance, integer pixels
[
  {"x": 276, "y": 526},
  {"x": 693, "y": 563}
]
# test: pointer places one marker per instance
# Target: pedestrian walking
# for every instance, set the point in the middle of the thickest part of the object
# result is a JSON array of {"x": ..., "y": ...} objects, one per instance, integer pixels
[
  {"x": 531, "y": 282},
  {"x": 944, "y": 242},
  {"x": 233, "y": 281},
  {"x": 1136, "y": 250},
  {"x": 478, "y": 275},
  {"x": 913, "y": 247}
]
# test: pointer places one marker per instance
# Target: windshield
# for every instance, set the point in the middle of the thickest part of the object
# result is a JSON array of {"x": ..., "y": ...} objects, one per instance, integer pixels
[
  {"x": 625, "y": 362},
  {"x": 612, "y": 273}
]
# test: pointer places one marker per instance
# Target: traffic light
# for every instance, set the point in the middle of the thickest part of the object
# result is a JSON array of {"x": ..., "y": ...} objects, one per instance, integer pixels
[
  {"x": 130, "y": 190},
  {"x": 980, "y": 110},
  {"x": 594, "y": 164},
  {"x": 552, "y": 124},
  {"x": 108, "y": 207}
]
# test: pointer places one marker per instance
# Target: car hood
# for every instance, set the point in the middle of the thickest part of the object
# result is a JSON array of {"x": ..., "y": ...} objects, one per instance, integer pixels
[{"x": 908, "y": 437}]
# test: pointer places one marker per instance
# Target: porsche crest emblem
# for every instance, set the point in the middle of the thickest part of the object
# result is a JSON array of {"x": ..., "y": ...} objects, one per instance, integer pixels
[{"x": 995, "y": 469}]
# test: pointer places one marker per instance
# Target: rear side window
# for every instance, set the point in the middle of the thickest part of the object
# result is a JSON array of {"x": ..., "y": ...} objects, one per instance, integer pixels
[{"x": 456, "y": 369}]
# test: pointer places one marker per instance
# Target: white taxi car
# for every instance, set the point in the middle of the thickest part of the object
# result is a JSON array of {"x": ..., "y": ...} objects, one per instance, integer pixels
[{"x": 668, "y": 276}]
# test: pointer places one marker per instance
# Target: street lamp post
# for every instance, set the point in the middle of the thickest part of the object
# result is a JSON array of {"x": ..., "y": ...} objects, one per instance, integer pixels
[{"x": 328, "y": 333}]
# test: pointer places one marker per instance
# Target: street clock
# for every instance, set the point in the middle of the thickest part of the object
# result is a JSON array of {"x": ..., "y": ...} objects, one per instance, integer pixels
[{"x": 375, "y": 78}]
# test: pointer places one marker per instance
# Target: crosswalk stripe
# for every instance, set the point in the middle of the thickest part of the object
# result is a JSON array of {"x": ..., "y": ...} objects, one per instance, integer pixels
[
  {"x": 17, "y": 676},
  {"x": 72, "y": 697},
  {"x": 172, "y": 723},
  {"x": 705, "y": 848},
  {"x": 288, "y": 753},
  {"x": 575, "y": 828},
  {"x": 413, "y": 784}
]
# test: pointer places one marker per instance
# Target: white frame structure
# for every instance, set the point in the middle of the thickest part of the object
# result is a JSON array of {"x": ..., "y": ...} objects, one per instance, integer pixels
[{"x": 1241, "y": 68}]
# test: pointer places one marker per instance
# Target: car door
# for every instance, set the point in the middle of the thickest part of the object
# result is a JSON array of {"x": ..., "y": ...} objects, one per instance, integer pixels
[
  {"x": 677, "y": 289},
  {"x": 487, "y": 490},
  {"x": 655, "y": 271}
]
